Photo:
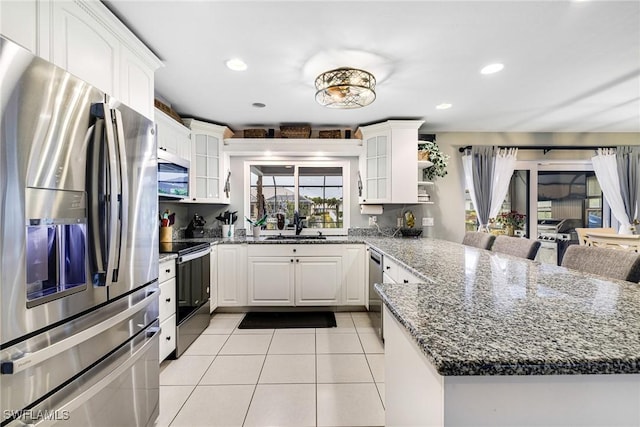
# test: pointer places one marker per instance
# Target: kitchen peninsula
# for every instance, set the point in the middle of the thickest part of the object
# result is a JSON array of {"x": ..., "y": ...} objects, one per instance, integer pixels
[{"x": 490, "y": 339}]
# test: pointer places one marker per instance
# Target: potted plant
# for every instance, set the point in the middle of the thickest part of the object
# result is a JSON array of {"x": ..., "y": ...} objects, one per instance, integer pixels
[
  {"x": 437, "y": 157},
  {"x": 511, "y": 221},
  {"x": 257, "y": 225}
]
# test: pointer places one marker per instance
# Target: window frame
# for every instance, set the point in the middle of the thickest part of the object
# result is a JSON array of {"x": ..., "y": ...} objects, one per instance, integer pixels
[{"x": 297, "y": 164}]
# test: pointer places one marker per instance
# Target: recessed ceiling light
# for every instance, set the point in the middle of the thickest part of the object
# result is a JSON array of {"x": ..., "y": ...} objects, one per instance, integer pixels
[
  {"x": 236, "y": 64},
  {"x": 443, "y": 106},
  {"x": 258, "y": 105},
  {"x": 492, "y": 68}
]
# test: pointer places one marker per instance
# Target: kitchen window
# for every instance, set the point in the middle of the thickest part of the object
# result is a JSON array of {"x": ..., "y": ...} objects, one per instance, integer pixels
[{"x": 316, "y": 190}]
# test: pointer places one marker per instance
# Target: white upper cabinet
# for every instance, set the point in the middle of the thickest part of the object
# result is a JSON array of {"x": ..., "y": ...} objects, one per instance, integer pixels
[
  {"x": 86, "y": 39},
  {"x": 209, "y": 165},
  {"x": 389, "y": 162},
  {"x": 172, "y": 136}
]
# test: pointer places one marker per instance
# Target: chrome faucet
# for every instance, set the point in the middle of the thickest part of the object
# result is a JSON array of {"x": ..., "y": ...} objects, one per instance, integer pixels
[{"x": 297, "y": 220}]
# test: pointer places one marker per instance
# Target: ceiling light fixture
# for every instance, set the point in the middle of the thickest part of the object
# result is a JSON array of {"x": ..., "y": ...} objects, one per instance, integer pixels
[
  {"x": 345, "y": 88},
  {"x": 492, "y": 68},
  {"x": 236, "y": 64},
  {"x": 443, "y": 106}
]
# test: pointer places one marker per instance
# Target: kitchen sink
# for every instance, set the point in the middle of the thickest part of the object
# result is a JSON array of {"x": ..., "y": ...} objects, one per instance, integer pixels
[{"x": 294, "y": 237}]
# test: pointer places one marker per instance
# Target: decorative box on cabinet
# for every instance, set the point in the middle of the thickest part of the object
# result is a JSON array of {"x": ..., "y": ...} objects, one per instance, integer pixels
[
  {"x": 209, "y": 164},
  {"x": 385, "y": 163},
  {"x": 167, "y": 309}
]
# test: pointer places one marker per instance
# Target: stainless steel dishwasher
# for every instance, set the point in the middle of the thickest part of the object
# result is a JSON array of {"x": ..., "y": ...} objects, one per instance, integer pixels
[{"x": 375, "y": 303}]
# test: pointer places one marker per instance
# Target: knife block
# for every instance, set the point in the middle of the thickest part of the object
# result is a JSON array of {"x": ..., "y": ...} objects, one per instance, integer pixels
[{"x": 166, "y": 234}]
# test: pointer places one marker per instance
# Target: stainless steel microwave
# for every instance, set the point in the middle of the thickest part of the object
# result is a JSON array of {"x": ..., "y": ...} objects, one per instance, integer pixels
[{"x": 173, "y": 176}]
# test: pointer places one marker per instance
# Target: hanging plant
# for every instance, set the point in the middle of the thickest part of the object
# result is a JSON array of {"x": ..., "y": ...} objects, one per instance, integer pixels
[{"x": 437, "y": 157}]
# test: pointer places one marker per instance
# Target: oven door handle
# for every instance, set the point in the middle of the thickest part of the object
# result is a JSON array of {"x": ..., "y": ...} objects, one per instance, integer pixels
[
  {"x": 193, "y": 255},
  {"x": 29, "y": 360}
]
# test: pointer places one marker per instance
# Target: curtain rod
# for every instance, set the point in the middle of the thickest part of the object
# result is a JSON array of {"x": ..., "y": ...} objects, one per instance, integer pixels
[{"x": 546, "y": 148}]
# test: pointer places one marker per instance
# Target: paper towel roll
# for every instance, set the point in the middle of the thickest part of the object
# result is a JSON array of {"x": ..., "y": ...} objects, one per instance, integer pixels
[{"x": 371, "y": 209}]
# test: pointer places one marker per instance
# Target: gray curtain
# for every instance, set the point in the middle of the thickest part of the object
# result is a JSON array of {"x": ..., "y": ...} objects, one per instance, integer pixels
[
  {"x": 628, "y": 161},
  {"x": 482, "y": 164}
]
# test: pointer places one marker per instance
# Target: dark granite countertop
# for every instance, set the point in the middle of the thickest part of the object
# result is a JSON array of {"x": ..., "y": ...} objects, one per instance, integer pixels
[{"x": 484, "y": 313}]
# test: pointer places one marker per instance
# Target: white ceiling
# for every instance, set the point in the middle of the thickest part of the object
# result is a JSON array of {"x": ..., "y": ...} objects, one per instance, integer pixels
[{"x": 570, "y": 66}]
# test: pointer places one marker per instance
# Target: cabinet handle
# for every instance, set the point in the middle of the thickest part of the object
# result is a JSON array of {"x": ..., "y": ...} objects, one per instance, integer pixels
[
  {"x": 388, "y": 267},
  {"x": 297, "y": 260},
  {"x": 168, "y": 338},
  {"x": 294, "y": 251},
  {"x": 168, "y": 300},
  {"x": 292, "y": 260},
  {"x": 168, "y": 270},
  {"x": 405, "y": 281}
]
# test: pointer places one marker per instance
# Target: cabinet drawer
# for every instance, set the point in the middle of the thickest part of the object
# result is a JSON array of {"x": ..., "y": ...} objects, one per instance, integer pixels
[
  {"x": 167, "y": 270},
  {"x": 167, "y": 299},
  {"x": 391, "y": 269},
  {"x": 167, "y": 337},
  {"x": 320, "y": 249}
]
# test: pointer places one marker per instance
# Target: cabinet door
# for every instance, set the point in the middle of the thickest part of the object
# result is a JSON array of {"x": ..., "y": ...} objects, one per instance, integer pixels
[
  {"x": 18, "y": 21},
  {"x": 136, "y": 83},
  {"x": 354, "y": 273},
  {"x": 270, "y": 281},
  {"x": 318, "y": 280},
  {"x": 377, "y": 170},
  {"x": 232, "y": 275},
  {"x": 167, "y": 337},
  {"x": 205, "y": 167},
  {"x": 82, "y": 46},
  {"x": 167, "y": 299},
  {"x": 172, "y": 136},
  {"x": 213, "y": 290}
]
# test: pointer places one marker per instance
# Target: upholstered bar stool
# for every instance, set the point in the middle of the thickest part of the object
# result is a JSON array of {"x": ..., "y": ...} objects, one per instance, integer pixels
[
  {"x": 478, "y": 239},
  {"x": 516, "y": 246},
  {"x": 611, "y": 263}
]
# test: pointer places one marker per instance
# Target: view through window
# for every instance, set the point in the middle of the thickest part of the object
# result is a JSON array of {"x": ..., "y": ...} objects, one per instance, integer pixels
[{"x": 316, "y": 192}]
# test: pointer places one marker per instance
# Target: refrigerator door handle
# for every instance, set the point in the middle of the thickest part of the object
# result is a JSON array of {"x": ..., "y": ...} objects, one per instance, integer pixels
[
  {"x": 123, "y": 199},
  {"x": 97, "y": 200},
  {"x": 114, "y": 196},
  {"x": 29, "y": 360}
]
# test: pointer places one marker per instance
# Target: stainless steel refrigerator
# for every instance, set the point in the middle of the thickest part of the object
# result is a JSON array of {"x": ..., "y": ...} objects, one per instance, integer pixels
[{"x": 78, "y": 251}]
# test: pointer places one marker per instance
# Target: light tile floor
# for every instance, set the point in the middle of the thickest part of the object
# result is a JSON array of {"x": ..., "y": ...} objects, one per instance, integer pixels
[{"x": 284, "y": 377}]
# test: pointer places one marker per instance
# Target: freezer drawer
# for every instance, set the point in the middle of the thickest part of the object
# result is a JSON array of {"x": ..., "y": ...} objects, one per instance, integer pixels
[
  {"x": 35, "y": 367},
  {"x": 122, "y": 390}
]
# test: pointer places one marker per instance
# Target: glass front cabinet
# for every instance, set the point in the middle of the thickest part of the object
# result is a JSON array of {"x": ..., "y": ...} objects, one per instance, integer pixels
[
  {"x": 209, "y": 173},
  {"x": 389, "y": 163}
]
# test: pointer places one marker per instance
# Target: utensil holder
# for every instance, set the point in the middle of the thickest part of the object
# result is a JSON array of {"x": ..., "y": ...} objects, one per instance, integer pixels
[
  {"x": 166, "y": 234},
  {"x": 227, "y": 231},
  {"x": 256, "y": 232}
]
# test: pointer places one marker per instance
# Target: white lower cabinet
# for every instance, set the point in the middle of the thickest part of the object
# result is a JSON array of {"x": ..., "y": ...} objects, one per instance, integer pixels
[
  {"x": 232, "y": 275},
  {"x": 318, "y": 280},
  {"x": 213, "y": 286},
  {"x": 354, "y": 268},
  {"x": 167, "y": 307},
  {"x": 271, "y": 281},
  {"x": 167, "y": 337},
  {"x": 306, "y": 275}
]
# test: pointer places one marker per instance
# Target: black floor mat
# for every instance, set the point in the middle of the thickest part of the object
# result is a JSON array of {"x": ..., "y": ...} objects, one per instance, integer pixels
[{"x": 310, "y": 319}]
